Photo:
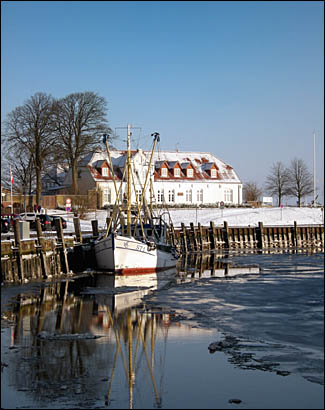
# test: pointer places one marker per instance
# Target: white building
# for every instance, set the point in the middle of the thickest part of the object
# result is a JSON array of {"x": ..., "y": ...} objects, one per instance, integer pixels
[{"x": 176, "y": 178}]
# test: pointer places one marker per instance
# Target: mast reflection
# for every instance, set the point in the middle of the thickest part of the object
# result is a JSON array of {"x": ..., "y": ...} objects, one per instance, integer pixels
[{"x": 94, "y": 340}]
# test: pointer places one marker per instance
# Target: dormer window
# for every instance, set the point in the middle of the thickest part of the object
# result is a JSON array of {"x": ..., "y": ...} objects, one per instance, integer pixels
[
  {"x": 163, "y": 172},
  {"x": 177, "y": 172},
  {"x": 105, "y": 172},
  {"x": 189, "y": 173},
  {"x": 213, "y": 173}
]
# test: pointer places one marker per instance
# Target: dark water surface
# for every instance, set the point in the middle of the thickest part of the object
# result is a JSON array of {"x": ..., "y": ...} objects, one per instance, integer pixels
[{"x": 99, "y": 342}]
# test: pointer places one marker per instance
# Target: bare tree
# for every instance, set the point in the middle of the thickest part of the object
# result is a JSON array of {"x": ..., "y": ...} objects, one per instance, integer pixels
[
  {"x": 21, "y": 164},
  {"x": 23, "y": 171},
  {"x": 80, "y": 124},
  {"x": 251, "y": 191},
  {"x": 29, "y": 128},
  {"x": 277, "y": 181},
  {"x": 300, "y": 180}
]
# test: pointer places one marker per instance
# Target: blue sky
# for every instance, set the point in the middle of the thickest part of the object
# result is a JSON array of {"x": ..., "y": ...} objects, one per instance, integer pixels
[{"x": 242, "y": 80}]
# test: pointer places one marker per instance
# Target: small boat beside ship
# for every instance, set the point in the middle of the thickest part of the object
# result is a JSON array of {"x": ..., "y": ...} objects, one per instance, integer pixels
[{"x": 135, "y": 247}]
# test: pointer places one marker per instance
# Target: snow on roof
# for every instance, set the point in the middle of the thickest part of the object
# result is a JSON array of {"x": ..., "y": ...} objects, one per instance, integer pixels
[
  {"x": 99, "y": 163},
  {"x": 184, "y": 165},
  {"x": 198, "y": 160},
  {"x": 201, "y": 161},
  {"x": 171, "y": 164}
]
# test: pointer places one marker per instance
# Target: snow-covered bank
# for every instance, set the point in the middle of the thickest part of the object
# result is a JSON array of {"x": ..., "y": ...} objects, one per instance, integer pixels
[
  {"x": 249, "y": 217},
  {"x": 234, "y": 216}
]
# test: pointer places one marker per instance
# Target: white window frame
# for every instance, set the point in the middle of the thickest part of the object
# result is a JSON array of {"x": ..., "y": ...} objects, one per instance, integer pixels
[
  {"x": 188, "y": 195},
  {"x": 171, "y": 195},
  {"x": 164, "y": 172},
  {"x": 105, "y": 172},
  {"x": 228, "y": 195},
  {"x": 199, "y": 195},
  {"x": 107, "y": 196},
  {"x": 160, "y": 196},
  {"x": 213, "y": 173},
  {"x": 189, "y": 173},
  {"x": 177, "y": 172}
]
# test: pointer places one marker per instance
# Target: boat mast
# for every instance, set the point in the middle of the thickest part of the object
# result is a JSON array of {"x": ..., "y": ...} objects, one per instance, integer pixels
[
  {"x": 156, "y": 139},
  {"x": 151, "y": 195},
  {"x": 129, "y": 183}
]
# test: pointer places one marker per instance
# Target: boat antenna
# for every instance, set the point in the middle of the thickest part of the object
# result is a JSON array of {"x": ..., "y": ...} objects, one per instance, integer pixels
[{"x": 105, "y": 141}]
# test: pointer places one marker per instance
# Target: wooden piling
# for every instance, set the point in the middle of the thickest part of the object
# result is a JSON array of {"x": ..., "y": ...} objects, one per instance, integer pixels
[
  {"x": 212, "y": 236},
  {"x": 200, "y": 236},
  {"x": 20, "y": 265},
  {"x": 184, "y": 236},
  {"x": 172, "y": 235},
  {"x": 193, "y": 235},
  {"x": 41, "y": 243},
  {"x": 260, "y": 235},
  {"x": 59, "y": 230},
  {"x": 225, "y": 232},
  {"x": 76, "y": 222},
  {"x": 94, "y": 225},
  {"x": 219, "y": 239}
]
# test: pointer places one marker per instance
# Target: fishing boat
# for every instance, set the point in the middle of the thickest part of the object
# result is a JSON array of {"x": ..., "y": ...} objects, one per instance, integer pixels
[{"x": 139, "y": 246}]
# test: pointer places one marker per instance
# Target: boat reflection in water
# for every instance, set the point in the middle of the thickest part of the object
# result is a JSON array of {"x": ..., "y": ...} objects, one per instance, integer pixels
[
  {"x": 83, "y": 337},
  {"x": 93, "y": 339}
]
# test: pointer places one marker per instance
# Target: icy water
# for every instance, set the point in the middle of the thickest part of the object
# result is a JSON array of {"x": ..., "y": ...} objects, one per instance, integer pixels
[{"x": 223, "y": 331}]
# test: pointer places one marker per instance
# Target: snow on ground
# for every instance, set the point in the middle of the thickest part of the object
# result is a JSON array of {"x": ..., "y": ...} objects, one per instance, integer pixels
[{"x": 234, "y": 216}]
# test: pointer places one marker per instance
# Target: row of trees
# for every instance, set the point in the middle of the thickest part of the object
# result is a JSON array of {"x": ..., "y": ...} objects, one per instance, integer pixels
[
  {"x": 45, "y": 131},
  {"x": 282, "y": 181}
]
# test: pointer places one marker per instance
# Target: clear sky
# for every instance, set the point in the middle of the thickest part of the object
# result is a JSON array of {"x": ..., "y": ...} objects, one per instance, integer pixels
[{"x": 242, "y": 80}]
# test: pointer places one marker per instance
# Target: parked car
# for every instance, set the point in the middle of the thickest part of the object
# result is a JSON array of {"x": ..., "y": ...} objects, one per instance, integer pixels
[
  {"x": 46, "y": 222},
  {"x": 5, "y": 225},
  {"x": 64, "y": 222},
  {"x": 11, "y": 218},
  {"x": 28, "y": 216}
]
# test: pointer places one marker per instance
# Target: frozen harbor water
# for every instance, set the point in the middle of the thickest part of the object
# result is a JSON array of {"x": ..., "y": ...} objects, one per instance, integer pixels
[
  {"x": 279, "y": 311},
  {"x": 262, "y": 312}
]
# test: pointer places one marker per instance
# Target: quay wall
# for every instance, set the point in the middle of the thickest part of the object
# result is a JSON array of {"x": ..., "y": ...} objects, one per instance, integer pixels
[
  {"x": 209, "y": 238},
  {"x": 40, "y": 258}
]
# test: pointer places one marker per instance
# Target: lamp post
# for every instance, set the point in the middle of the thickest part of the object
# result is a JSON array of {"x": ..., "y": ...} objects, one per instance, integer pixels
[{"x": 314, "y": 169}]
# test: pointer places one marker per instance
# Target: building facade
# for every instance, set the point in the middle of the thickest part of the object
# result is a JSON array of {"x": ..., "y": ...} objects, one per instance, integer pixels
[{"x": 175, "y": 178}]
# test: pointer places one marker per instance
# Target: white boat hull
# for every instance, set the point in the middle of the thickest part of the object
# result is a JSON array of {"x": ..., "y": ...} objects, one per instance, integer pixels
[{"x": 127, "y": 255}]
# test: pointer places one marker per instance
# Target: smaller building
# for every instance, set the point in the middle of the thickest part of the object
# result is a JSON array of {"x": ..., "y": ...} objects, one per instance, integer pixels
[{"x": 53, "y": 180}]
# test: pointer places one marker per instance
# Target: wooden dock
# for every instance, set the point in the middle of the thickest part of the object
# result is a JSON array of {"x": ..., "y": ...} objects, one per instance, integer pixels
[
  {"x": 210, "y": 238},
  {"x": 43, "y": 257}
]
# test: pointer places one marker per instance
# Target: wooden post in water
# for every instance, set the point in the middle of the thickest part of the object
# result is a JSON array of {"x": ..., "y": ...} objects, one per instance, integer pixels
[
  {"x": 199, "y": 230},
  {"x": 41, "y": 242},
  {"x": 212, "y": 238},
  {"x": 193, "y": 237},
  {"x": 172, "y": 235},
  {"x": 76, "y": 222},
  {"x": 94, "y": 225},
  {"x": 226, "y": 234},
  {"x": 108, "y": 220},
  {"x": 184, "y": 237},
  {"x": 260, "y": 235},
  {"x": 59, "y": 230},
  {"x": 295, "y": 234},
  {"x": 21, "y": 275}
]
